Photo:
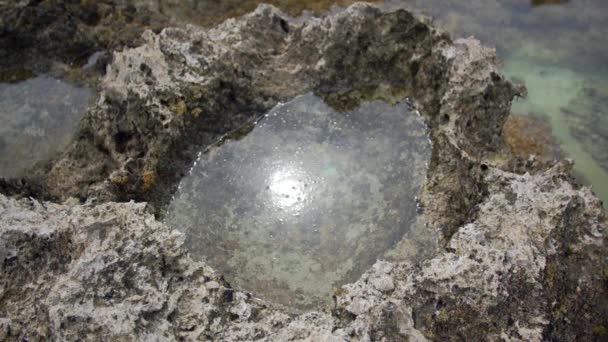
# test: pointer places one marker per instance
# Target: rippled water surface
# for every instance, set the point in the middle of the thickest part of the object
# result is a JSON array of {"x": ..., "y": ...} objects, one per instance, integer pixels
[
  {"x": 38, "y": 117},
  {"x": 306, "y": 201}
]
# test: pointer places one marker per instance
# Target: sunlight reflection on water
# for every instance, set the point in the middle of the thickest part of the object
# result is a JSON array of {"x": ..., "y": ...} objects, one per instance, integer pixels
[{"x": 308, "y": 200}]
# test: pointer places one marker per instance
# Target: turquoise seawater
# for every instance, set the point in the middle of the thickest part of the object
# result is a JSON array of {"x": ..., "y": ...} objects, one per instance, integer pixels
[{"x": 559, "y": 49}]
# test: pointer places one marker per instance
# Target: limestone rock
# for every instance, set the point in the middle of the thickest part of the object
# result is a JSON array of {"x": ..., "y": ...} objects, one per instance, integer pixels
[{"x": 511, "y": 255}]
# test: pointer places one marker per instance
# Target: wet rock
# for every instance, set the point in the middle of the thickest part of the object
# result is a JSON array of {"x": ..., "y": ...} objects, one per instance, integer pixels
[
  {"x": 198, "y": 85},
  {"x": 210, "y": 13},
  {"x": 513, "y": 256}
]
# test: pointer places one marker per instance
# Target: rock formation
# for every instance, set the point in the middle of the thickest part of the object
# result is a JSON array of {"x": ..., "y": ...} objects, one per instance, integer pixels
[{"x": 518, "y": 250}]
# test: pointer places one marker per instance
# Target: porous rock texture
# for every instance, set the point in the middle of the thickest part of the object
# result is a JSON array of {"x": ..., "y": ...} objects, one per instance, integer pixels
[
  {"x": 519, "y": 255},
  {"x": 35, "y": 33}
]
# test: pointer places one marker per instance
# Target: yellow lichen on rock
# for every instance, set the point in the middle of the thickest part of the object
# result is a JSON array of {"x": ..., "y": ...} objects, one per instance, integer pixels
[
  {"x": 148, "y": 180},
  {"x": 120, "y": 179},
  {"x": 179, "y": 108},
  {"x": 197, "y": 112}
]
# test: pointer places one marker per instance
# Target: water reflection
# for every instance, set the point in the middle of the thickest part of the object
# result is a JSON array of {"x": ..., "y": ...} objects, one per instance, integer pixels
[
  {"x": 307, "y": 200},
  {"x": 288, "y": 188},
  {"x": 38, "y": 117}
]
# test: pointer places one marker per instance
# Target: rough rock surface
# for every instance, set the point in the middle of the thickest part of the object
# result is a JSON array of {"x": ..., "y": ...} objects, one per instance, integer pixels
[
  {"x": 519, "y": 256},
  {"x": 185, "y": 88},
  {"x": 67, "y": 31},
  {"x": 531, "y": 266}
]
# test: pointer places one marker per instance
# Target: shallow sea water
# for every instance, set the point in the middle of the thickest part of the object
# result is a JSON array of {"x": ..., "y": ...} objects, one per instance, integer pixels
[
  {"x": 308, "y": 200},
  {"x": 559, "y": 49}
]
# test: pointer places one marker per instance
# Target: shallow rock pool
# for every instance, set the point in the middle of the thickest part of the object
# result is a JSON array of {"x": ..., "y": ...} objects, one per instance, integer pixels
[
  {"x": 38, "y": 117},
  {"x": 307, "y": 200}
]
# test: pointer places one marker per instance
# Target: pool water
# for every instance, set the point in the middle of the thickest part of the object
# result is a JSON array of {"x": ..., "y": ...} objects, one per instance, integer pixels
[
  {"x": 39, "y": 116},
  {"x": 306, "y": 201}
]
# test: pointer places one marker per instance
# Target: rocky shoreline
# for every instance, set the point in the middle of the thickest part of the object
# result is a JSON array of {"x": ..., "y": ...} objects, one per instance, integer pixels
[{"x": 513, "y": 248}]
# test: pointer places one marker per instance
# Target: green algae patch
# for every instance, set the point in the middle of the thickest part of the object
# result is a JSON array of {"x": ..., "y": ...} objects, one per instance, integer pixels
[{"x": 306, "y": 201}]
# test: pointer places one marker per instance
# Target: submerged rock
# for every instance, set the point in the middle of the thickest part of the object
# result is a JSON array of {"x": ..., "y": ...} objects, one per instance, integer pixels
[
  {"x": 531, "y": 135},
  {"x": 548, "y": 2},
  {"x": 512, "y": 255}
]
